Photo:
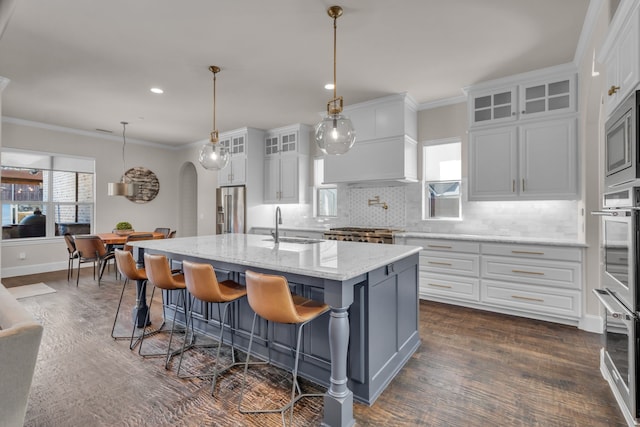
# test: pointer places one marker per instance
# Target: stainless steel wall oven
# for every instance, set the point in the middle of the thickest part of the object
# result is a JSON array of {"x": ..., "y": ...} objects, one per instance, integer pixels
[{"x": 619, "y": 293}]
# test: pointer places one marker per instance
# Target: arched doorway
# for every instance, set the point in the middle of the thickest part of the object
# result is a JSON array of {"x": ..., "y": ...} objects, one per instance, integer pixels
[{"x": 188, "y": 191}]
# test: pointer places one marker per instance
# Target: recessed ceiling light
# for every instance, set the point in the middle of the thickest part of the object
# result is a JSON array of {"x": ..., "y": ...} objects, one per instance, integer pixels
[
  {"x": 156, "y": 90},
  {"x": 329, "y": 86}
]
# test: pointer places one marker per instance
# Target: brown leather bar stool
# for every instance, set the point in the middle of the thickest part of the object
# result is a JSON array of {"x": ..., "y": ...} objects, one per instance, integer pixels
[
  {"x": 270, "y": 298},
  {"x": 160, "y": 276},
  {"x": 130, "y": 271},
  {"x": 203, "y": 285}
]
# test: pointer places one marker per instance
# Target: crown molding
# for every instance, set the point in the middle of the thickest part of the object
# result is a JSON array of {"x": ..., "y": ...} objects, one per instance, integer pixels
[
  {"x": 92, "y": 134},
  {"x": 442, "y": 102},
  {"x": 595, "y": 6}
]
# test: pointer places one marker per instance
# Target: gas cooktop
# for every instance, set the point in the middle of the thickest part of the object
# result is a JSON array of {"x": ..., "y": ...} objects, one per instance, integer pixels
[{"x": 361, "y": 234}]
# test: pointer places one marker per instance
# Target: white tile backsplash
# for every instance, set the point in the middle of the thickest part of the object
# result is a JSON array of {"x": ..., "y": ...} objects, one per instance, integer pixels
[
  {"x": 366, "y": 215},
  {"x": 554, "y": 219}
]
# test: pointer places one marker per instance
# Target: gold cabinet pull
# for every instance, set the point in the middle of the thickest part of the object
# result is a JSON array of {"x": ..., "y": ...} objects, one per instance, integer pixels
[
  {"x": 527, "y": 298},
  {"x": 613, "y": 89},
  {"x": 436, "y": 285},
  {"x": 513, "y": 186},
  {"x": 439, "y": 246},
  {"x": 523, "y": 184},
  {"x": 527, "y": 252},
  {"x": 439, "y": 263},
  {"x": 528, "y": 272}
]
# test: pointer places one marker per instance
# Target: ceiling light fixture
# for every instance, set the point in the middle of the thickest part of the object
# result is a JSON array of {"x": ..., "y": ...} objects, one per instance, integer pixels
[
  {"x": 214, "y": 156},
  {"x": 122, "y": 188},
  {"x": 335, "y": 133},
  {"x": 156, "y": 90}
]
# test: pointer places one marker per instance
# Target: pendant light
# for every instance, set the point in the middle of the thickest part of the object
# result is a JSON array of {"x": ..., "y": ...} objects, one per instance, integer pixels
[
  {"x": 214, "y": 156},
  {"x": 122, "y": 188},
  {"x": 335, "y": 134}
]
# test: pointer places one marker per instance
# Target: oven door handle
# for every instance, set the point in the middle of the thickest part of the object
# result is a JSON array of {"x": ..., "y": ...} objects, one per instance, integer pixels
[
  {"x": 605, "y": 297},
  {"x": 610, "y": 213}
]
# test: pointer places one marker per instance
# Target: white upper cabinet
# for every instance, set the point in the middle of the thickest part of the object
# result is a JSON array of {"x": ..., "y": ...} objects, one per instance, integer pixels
[
  {"x": 548, "y": 160},
  {"x": 523, "y": 142},
  {"x": 546, "y": 96},
  {"x": 286, "y": 164},
  {"x": 532, "y": 95},
  {"x": 244, "y": 162},
  {"x": 620, "y": 54},
  {"x": 235, "y": 173},
  {"x": 493, "y": 106},
  {"x": 534, "y": 161},
  {"x": 385, "y": 147},
  {"x": 493, "y": 164}
]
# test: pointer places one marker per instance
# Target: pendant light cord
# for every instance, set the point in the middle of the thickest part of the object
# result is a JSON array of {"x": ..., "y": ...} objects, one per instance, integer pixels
[
  {"x": 214, "y": 101},
  {"x": 124, "y": 143},
  {"x": 335, "y": 86}
]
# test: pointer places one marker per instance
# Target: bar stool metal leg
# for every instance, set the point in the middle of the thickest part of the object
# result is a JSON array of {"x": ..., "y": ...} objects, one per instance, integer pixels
[{"x": 169, "y": 354}]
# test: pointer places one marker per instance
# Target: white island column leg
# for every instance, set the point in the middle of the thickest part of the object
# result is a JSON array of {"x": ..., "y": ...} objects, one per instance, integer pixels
[{"x": 338, "y": 401}]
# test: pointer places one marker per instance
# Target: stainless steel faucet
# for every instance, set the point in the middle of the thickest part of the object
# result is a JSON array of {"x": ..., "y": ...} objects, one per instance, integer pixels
[{"x": 276, "y": 235}]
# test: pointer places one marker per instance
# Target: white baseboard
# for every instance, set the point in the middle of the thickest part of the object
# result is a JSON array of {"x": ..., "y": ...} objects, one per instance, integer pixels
[
  {"x": 33, "y": 269},
  {"x": 591, "y": 323}
]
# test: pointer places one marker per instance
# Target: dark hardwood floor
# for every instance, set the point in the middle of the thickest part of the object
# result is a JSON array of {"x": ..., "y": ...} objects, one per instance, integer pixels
[{"x": 473, "y": 368}]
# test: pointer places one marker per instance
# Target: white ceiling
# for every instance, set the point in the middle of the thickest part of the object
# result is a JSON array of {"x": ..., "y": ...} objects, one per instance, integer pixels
[{"x": 89, "y": 64}]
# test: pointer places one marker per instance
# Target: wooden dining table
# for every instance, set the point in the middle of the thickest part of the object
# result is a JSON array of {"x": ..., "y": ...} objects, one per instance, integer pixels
[{"x": 119, "y": 239}]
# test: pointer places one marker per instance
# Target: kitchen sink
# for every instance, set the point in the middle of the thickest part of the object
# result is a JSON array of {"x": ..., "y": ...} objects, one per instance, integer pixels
[{"x": 299, "y": 240}]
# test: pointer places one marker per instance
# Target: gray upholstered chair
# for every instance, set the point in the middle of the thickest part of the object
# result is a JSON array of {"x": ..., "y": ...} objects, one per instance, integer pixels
[{"x": 20, "y": 336}]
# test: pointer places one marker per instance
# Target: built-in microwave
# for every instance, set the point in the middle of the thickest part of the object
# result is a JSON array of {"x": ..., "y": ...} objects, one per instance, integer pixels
[{"x": 622, "y": 154}]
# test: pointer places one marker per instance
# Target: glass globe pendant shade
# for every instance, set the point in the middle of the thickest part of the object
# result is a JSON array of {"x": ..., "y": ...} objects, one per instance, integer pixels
[
  {"x": 335, "y": 134},
  {"x": 213, "y": 156}
]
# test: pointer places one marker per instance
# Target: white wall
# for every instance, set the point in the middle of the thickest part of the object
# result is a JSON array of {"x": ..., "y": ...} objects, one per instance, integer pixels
[
  {"x": 160, "y": 212},
  {"x": 591, "y": 132}
]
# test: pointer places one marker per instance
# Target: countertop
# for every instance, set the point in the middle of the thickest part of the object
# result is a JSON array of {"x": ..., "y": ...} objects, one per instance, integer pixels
[
  {"x": 328, "y": 259},
  {"x": 495, "y": 239},
  {"x": 450, "y": 236}
]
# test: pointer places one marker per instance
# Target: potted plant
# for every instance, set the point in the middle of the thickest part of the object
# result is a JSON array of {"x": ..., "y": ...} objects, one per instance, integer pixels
[{"x": 123, "y": 228}]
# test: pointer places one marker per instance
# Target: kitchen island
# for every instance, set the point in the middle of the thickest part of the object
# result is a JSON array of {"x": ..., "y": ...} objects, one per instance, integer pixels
[{"x": 370, "y": 332}]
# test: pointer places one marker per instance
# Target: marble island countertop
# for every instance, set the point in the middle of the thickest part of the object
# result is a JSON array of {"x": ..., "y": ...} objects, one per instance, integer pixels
[{"x": 328, "y": 259}]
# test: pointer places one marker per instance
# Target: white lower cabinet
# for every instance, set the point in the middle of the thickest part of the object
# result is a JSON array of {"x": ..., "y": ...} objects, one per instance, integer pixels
[{"x": 538, "y": 281}]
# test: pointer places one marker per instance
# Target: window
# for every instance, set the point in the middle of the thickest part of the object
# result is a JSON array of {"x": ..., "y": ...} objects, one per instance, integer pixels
[
  {"x": 326, "y": 195},
  {"x": 442, "y": 175},
  {"x": 45, "y": 195}
]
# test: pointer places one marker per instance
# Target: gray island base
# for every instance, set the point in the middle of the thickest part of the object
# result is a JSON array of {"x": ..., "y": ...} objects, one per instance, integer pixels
[{"x": 358, "y": 347}]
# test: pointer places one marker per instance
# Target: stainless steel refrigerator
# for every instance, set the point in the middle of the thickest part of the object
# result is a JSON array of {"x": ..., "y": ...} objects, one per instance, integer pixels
[{"x": 230, "y": 210}]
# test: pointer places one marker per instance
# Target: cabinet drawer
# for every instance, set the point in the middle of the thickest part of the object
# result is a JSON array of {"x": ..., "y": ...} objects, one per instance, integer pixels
[
  {"x": 450, "y": 286},
  {"x": 540, "y": 299},
  {"x": 533, "y": 251},
  {"x": 548, "y": 273},
  {"x": 455, "y": 263},
  {"x": 445, "y": 245}
]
